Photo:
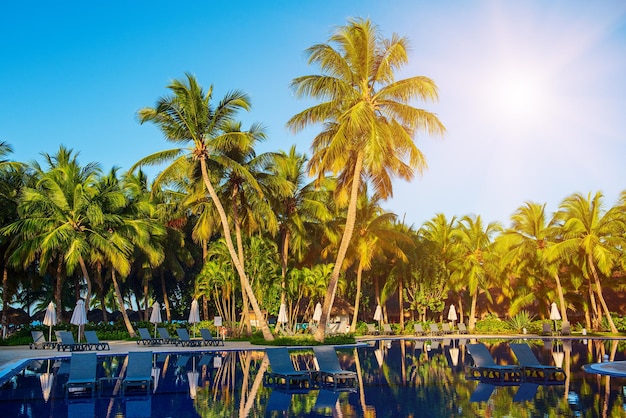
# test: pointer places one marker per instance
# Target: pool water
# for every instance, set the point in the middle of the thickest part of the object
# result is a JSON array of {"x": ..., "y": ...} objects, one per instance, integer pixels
[{"x": 397, "y": 378}]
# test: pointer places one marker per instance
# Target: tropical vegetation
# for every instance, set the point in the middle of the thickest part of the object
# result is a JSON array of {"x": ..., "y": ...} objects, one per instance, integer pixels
[{"x": 245, "y": 232}]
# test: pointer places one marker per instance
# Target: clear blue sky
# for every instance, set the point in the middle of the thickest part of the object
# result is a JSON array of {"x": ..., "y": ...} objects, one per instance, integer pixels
[{"x": 533, "y": 93}]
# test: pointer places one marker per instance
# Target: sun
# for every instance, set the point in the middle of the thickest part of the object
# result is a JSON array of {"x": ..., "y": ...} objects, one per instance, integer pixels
[{"x": 518, "y": 95}]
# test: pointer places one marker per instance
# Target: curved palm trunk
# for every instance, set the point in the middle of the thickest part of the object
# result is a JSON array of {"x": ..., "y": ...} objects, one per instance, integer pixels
[
  {"x": 166, "y": 300},
  {"x": 120, "y": 302},
  {"x": 329, "y": 298},
  {"x": 245, "y": 305},
  {"x": 357, "y": 298},
  {"x": 401, "y": 302},
  {"x": 605, "y": 308},
  {"x": 284, "y": 260},
  {"x": 102, "y": 294},
  {"x": 58, "y": 290},
  {"x": 559, "y": 290},
  {"x": 267, "y": 334},
  {"x": 83, "y": 268},
  {"x": 5, "y": 300}
]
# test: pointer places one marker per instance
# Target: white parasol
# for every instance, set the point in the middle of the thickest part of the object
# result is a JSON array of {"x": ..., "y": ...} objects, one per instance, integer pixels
[
  {"x": 79, "y": 316},
  {"x": 555, "y": 315},
  {"x": 46, "y": 380},
  {"x": 282, "y": 314},
  {"x": 192, "y": 377},
  {"x": 317, "y": 313},
  {"x": 50, "y": 319},
  {"x": 155, "y": 316},
  {"x": 452, "y": 315},
  {"x": 194, "y": 315}
]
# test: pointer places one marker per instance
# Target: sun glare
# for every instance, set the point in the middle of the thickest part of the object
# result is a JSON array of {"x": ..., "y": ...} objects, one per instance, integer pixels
[{"x": 517, "y": 95}]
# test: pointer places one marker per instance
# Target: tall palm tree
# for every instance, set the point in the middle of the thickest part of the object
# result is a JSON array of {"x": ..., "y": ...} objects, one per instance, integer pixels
[
  {"x": 376, "y": 235},
  {"x": 592, "y": 236},
  {"x": 296, "y": 203},
  {"x": 526, "y": 243},
  {"x": 473, "y": 264},
  {"x": 439, "y": 232},
  {"x": 61, "y": 218},
  {"x": 368, "y": 123},
  {"x": 188, "y": 117}
]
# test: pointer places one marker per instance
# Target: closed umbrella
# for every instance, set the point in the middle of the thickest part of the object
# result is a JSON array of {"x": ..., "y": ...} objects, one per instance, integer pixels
[
  {"x": 378, "y": 314},
  {"x": 317, "y": 313},
  {"x": 555, "y": 315},
  {"x": 46, "y": 380},
  {"x": 50, "y": 319},
  {"x": 452, "y": 315},
  {"x": 79, "y": 316},
  {"x": 454, "y": 356},
  {"x": 192, "y": 378},
  {"x": 155, "y": 316},
  {"x": 282, "y": 314},
  {"x": 194, "y": 315},
  {"x": 155, "y": 373}
]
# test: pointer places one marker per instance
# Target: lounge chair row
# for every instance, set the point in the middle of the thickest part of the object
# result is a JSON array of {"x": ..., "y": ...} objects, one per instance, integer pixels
[
  {"x": 65, "y": 341},
  {"x": 82, "y": 378},
  {"x": 529, "y": 368},
  {"x": 328, "y": 372},
  {"x": 183, "y": 338}
]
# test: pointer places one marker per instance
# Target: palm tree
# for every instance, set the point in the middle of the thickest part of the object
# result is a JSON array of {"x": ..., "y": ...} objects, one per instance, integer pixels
[
  {"x": 61, "y": 218},
  {"x": 189, "y": 117},
  {"x": 296, "y": 204},
  {"x": 591, "y": 236},
  {"x": 375, "y": 235},
  {"x": 368, "y": 124},
  {"x": 526, "y": 243},
  {"x": 473, "y": 264},
  {"x": 439, "y": 232}
]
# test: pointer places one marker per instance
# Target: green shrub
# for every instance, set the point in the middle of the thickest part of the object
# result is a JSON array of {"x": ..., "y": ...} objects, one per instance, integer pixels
[
  {"x": 520, "y": 321},
  {"x": 492, "y": 325}
]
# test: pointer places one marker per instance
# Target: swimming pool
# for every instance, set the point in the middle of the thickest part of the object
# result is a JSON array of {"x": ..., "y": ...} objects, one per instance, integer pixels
[{"x": 397, "y": 378}]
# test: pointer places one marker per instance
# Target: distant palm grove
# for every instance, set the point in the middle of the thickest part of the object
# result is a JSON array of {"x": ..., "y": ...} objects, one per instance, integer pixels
[{"x": 244, "y": 232}]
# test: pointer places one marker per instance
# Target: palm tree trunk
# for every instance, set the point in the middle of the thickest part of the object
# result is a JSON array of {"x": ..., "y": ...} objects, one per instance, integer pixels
[
  {"x": 595, "y": 317},
  {"x": 357, "y": 298},
  {"x": 58, "y": 290},
  {"x": 166, "y": 300},
  {"x": 472, "y": 319},
  {"x": 329, "y": 298},
  {"x": 460, "y": 303},
  {"x": 5, "y": 299},
  {"x": 102, "y": 294},
  {"x": 284, "y": 259},
  {"x": 605, "y": 308},
  {"x": 400, "y": 301},
  {"x": 120, "y": 302},
  {"x": 83, "y": 267},
  {"x": 559, "y": 290},
  {"x": 267, "y": 334},
  {"x": 245, "y": 321}
]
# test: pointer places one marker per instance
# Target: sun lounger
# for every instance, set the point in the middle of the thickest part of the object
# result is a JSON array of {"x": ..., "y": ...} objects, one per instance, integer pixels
[
  {"x": 67, "y": 342},
  {"x": 482, "y": 393},
  {"x": 278, "y": 402},
  {"x": 138, "y": 371},
  {"x": 546, "y": 329},
  {"x": 387, "y": 329},
  {"x": 283, "y": 373},
  {"x": 418, "y": 329},
  {"x": 371, "y": 329},
  {"x": 462, "y": 328},
  {"x": 185, "y": 340},
  {"x": 330, "y": 371},
  {"x": 94, "y": 342},
  {"x": 532, "y": 368},
  {"x": 445, "y": 328},
  {"x": 486, "y": 368},
  {"x": 566, "y": 329},
  {"x": 526, "y": 392},
  {"x": 146, "y": 339},
  {"x": 165, "y": 336},
  {"x": 434, "y": 330},
  {"x": 326, "y": 399},
  {"x": 82, "y": 374},
  {"x": 39, "y": 341},
  {"x": 208, "y": 338}
]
